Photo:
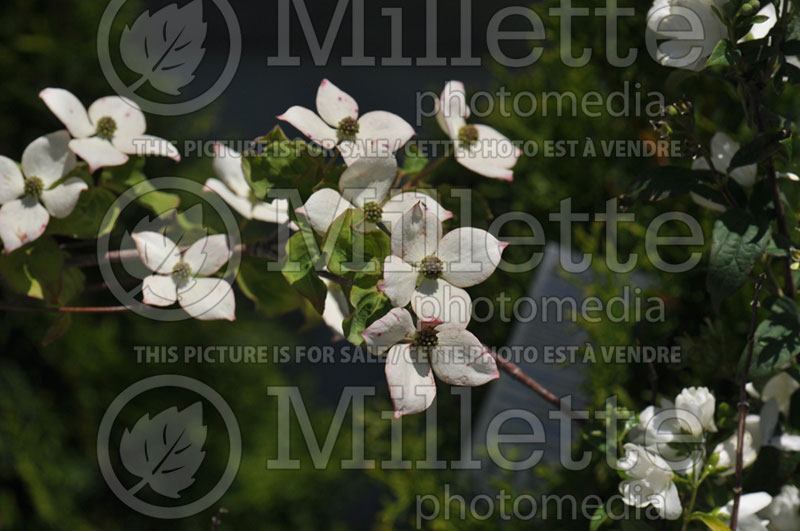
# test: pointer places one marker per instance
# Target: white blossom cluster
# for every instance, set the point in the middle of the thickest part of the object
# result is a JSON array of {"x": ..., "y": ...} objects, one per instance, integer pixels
[{"x": 667, "y": 448}]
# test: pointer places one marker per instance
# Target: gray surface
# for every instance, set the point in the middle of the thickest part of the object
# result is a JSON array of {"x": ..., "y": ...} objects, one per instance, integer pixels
[{"x": 562, "y": 380}]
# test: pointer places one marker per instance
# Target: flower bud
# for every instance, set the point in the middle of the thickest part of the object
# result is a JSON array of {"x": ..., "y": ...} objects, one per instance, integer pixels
[{"x": 695, "y": 407}]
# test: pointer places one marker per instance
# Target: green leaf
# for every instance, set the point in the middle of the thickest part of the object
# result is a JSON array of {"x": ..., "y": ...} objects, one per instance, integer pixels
[
  {"x": 711, "y": 521},
  {"x": 598, "y": 518},
  {"x": 85, "y": 222},
  {"x": 371, "y": 307},
  {"x": 787, "y": 144},
  {"x": 73, "y": 282},
  {"x": 35, "y": 270},
  {"x": 363, "y": 286},
  {"x": 300, "y": 266},
  {"x": 120, "y": 179},
  {"x": 776, "y": 339},
  {"x": 285, "y": 164},
  {"x": 57, "y": 328},
  {"x": 778, "y": 245},
  {"x": 724, "y": 54},
  {"x": 760, "y": 149},
  {"x": 349, "y": 249},
  {"x": 414, "y": 161},
  {"x": 276, "y": 134},
  {"x": 268, "y": 289},
  {"x": 338, "y": 244},
  {"x": 662, "y": 182},
  {"x": 737, "y": 242}
]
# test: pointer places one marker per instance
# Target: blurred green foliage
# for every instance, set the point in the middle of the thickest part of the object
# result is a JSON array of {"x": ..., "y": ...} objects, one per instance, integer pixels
[{"x": 53, "y": 397}]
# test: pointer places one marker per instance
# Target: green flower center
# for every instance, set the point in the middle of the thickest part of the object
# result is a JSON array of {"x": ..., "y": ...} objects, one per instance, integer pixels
[
  {"x": 426, "y": 338},
  {"x": 348, "y": 128},
  {"x": 34, "y": 187},
  {"x": 468, "y": 135},
  {"x": 181, "y": 271},
  {"x": 106, "y": 127},
  {"x": 373, "y": 212},
  {"x": 431, "y": 267}
]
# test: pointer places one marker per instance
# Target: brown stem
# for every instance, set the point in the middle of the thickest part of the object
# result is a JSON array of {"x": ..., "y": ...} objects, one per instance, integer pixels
[
  {"x": 515, "y": 372},
  {"x": 744, "y": 405},
  {"x": 7, "y": 307},
  {"x": 772, "y": 180},
  {"x": 424, "y": 173},
  {"x": 89, "y": 260},
  {"x": 783, "y": 230}
]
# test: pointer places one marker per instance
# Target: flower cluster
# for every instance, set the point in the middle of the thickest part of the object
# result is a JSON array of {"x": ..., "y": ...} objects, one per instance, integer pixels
[
  {"x": 668, "y": 447},
  {"x": 105, "y": 135},
  {"x": 425, "y": 268}
]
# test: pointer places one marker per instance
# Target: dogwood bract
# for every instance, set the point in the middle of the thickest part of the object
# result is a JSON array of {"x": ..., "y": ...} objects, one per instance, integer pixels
[
  {"x": 338, "y": 123},
  {"x": 416, "y": 353},
  {"x": 478, "y": 148},
  {"x": 181, "y": 276},
  {"x": 44, "y": 163},
  {"x": 235, "y": 191},
  {"x": 112, "y": 128},
  {"x": 429, "y": 270},
  {"x": 365, "y": 186}
]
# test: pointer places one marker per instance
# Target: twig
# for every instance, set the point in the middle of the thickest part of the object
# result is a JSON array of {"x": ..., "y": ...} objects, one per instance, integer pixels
[
  {"x": 744, "y": 405},
  {"x": 753, "y": 100},
  {"x": 7, "y": 307},
  {"x": 424, "y": 173},
  {"x": 257, "y": 250},
  {"x": 515, "y": 372}
]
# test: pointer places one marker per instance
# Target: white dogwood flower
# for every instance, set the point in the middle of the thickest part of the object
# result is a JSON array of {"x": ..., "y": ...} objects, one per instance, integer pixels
[
  {"x": 674, "y": 21},
  {"x": 182, "y": 276},
  {"x": 235, "y": 191},
  {"x": 112, "y": 128},
  {"x": 695, "y": 407},
  {"x": 749, "y": 506},
  {"x": 338, "y": 123},
  {"x": 45, "y": 162},
  {"x": 416, "y": 353},
  {"x": 429, "y": 270},
  {"x": 784, "y": 511},
  {"x": 650, "y": 483},
  {"x": 365, "y": 186},
  {"x": 478, "y": 148}
]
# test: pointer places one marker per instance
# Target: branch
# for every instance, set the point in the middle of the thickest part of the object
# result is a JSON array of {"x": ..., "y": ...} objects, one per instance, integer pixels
[
  {"x": 9, "y": 307},
  {"x": 744, "y": 405},
  {"x": 772, "y": 180},
  {"x": 515, "y": 372},
  {"x": 424, "y": 173},
  {"x": 256, "y": 250}
]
